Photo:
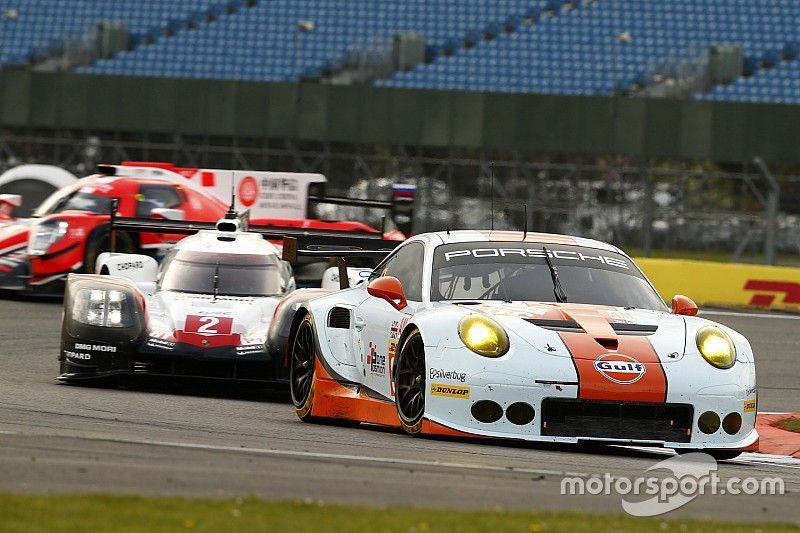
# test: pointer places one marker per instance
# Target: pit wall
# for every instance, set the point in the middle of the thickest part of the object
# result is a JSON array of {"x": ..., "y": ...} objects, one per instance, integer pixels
[{"x": 725, "y": 284}]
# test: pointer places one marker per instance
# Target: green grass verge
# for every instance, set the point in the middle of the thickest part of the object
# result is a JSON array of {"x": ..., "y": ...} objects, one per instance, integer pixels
[
  {"x": 98, "y": 513},
  {"x": 789, "y": 424}
]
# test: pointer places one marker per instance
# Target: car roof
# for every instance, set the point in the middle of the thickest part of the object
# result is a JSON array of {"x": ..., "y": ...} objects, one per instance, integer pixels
[
  {"x": 239, "y": 242},
  {"x": 460, "y": 236}
]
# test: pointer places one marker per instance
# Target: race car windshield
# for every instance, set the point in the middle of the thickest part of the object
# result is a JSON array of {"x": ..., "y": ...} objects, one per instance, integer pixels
[
  {"x": 514, "y": 271},
  {"x": 79, "y": 201},
  {"x": 223, "y": 275}
]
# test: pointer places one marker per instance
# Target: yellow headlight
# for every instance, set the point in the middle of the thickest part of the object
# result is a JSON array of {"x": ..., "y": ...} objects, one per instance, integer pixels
[
  {"x": 716, "y": 347},
  {"x": 483, "y": 336}
]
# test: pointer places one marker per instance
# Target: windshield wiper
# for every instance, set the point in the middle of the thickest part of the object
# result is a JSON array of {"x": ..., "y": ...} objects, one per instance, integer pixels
[
  {"x": 216, "y": 282},
  {"x": 558, "y": 290}
]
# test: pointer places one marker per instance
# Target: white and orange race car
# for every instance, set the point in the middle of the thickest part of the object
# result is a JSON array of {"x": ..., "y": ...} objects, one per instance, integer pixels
[{"x": 506, "y": 335}]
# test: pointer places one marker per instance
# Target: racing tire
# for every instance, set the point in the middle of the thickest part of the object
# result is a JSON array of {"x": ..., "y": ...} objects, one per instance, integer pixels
[
  {"x": 409, "y": 383},
  {"x": 719, "y": 455},
  {"x": 99, "y": 242},
  {"x": 302, "y": 368}
]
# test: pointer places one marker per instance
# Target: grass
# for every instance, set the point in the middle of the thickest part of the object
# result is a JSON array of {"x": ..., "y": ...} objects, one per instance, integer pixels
[
  {"x": 99, "y": 513},
  {"x": 789, "y": 424}
]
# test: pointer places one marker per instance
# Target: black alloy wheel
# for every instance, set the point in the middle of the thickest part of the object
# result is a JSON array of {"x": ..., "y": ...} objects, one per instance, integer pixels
[
  {"x": 301, "y": 372},
  {"x": 410, "y": 383}
]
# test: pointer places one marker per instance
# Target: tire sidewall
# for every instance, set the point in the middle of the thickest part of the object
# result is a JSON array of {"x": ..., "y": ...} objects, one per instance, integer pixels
[
  {"x": 101, "y": 238},
  {"x": 303, "y": 406},
  {"x": 412, "y": 427}
]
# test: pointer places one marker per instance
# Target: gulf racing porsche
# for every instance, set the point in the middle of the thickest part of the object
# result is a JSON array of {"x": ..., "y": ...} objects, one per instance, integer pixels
[
  {"x": 535, "y": 337},
  {"x": 203, "y": 313}
]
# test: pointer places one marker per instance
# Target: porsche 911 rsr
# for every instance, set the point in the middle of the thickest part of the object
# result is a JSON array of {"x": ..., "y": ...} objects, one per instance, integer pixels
[{"x": 535, "y": 337}]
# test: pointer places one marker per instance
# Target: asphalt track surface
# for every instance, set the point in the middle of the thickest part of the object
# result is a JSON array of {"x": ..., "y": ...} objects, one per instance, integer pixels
[{"x": 210, "y": 441}]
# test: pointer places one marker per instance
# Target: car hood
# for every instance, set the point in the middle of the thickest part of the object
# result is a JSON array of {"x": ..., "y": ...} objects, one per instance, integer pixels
[
  {"x": 538, "y": 323},
  {"x": 207, "y": 321}
]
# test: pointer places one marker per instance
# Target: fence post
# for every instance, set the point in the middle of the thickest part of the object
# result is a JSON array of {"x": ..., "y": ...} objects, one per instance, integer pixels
[
  {"x": 771, "y": 211},
  {"x": 647, "y": 218}
]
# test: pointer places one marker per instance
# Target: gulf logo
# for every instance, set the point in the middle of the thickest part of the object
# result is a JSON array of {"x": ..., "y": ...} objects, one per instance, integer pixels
[{"x": 622, "y": 369}]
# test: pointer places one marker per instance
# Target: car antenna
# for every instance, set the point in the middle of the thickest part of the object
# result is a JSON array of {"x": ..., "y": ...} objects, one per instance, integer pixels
[
  {"x": 491, "y": 190},
  {"x": 231, "y": 214},
  {"x": 525, "y": 226}
]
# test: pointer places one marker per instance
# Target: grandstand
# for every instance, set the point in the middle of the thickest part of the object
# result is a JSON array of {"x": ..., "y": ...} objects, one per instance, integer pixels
[{"x": 578, "y": 47}]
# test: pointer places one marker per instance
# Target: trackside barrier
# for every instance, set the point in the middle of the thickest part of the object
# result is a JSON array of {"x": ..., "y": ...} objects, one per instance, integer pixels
[{"x": 725, "y": 284}]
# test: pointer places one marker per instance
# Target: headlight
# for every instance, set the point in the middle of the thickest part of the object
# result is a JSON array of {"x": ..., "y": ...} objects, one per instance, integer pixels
[
  {"x": 716, "y": 347},
  {"x": 45, "y": 234},
  {"x": 483, "y": 336},
  {"x": 102, "y": 307}
]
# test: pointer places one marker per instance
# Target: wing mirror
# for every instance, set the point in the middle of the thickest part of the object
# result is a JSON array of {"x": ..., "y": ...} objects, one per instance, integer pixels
[
  {"x": 683, "y": 305},
  {"x": 167, "y": 214},
  {"x": 390, "y": 289}
]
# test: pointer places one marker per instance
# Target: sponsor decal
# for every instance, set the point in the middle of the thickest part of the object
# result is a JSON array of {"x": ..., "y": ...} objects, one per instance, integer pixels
[
  {"x": 789, "y": 290},
  {"x": 78, "y": 355},
  {"x": 622, "y": 369},
  {"x": 750, "y": 391},
  {"x": 130, "y": 265},
  {"x": 160, "y": 344},
  {"x": 96, "y": 347},
  {"x": 248, "y": 191},
  {"x": 375, "y": 361},
  {"x": 749, "y": 406},
  {"x": 533, "y": 252},
  {"x": 395, "y": 329},
  {"x": 438, "y": 373},
  {"x": 450, "y": 391},
  {"x": 208, "y": 325},
  {"x": 250, "y": 349}
]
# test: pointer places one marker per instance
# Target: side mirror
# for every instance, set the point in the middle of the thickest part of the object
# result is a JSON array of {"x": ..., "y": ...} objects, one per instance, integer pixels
[
  {"x": 683, "y": 305},
  {"x": 167, "y": 214},
  {"x": 390, "y": 289}
]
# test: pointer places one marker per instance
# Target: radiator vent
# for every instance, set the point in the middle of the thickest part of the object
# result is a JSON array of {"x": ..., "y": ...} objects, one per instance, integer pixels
[{"x": 339, "y": 317}]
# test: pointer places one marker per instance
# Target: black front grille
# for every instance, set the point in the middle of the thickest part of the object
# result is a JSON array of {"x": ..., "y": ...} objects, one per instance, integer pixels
[
  {"x": 339, "y": 317},
  {"x": 192, "y": 368},
  {"x": 670, "y": 422}
]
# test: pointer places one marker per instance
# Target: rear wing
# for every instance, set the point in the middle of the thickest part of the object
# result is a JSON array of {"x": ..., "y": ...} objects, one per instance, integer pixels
[
  {"x": 338, "y": 248},
  {"x": 315, "y": 241}
]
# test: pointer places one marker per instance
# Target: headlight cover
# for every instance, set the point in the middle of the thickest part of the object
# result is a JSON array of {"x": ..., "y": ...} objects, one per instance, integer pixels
[
  {"x": 45, "y": 234},
  {"x": 716, "y": 347},
  {"x": 483, "y": 336},
  {"x": 109, "y": 308}
]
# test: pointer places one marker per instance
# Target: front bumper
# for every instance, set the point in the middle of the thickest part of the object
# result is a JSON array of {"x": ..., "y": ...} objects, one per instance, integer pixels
[
  {"x": 558, "y": 415},
  {"x": 154, "y": 357}
]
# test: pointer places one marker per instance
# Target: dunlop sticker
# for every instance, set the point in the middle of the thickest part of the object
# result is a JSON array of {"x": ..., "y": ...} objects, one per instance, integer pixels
[
  {"x": 450, "y": 391},
  {"x": 749, "y": 406}
]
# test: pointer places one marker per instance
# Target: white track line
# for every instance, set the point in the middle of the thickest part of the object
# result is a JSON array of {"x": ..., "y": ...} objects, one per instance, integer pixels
[
  {"x": 745, "y": 314},
  {"x": 313, "y": 455},
  {"x": 747, "y": 458}
]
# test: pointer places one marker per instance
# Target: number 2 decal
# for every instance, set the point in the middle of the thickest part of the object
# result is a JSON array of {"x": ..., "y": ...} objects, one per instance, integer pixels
[{"x": 208, "y": 325}]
